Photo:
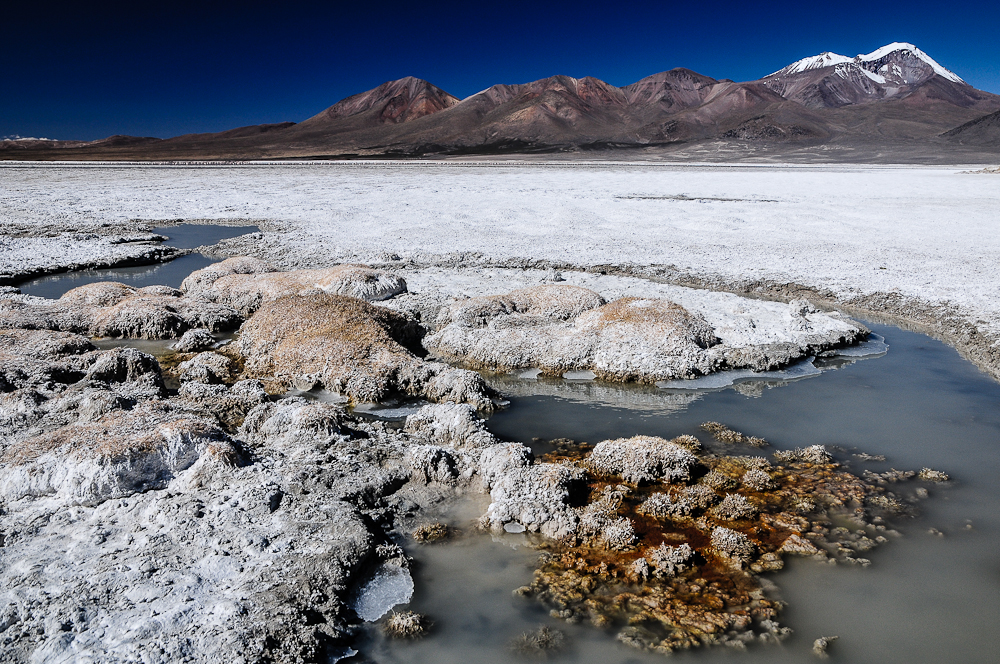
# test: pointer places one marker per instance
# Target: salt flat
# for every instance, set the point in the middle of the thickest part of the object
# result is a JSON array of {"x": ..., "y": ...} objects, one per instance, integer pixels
[{"x": 926, "y": 235}]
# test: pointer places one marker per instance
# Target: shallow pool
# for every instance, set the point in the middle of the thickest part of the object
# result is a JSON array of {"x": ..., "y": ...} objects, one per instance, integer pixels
[
  {"x": 926, "y": 597},
  {"x": 171, "y": 273}
]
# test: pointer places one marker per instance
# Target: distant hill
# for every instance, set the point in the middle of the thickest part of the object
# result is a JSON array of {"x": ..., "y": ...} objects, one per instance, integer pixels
[
  {"x": 896, "y": 97},
  {"x": 984, "y": 131}
]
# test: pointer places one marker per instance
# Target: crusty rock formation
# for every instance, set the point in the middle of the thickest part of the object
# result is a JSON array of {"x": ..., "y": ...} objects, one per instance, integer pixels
[
  {"x": 535, "y": 496},
  {"x": 170, "y": 537},
  {"x": 245, "y": 283},
  {"x": 194, "y": 341},
  {"x": 109, "y": 309},
  {"x": 229, "y": 404},
  {"x": 122, "y": 453},
  {"x": 31, "y": 357},
  {"x": 207, "y": 367},
  {"x": 642, "y": 459},
  {"x": 352, "y": 347},
  {"x": 560, "y": 328},
  {"x": 563, "y": 328},
  {"x": 51, "y": 379}
]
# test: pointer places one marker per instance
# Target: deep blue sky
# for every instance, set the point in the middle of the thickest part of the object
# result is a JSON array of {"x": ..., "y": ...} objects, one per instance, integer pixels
[{"x": 89, "y": 70}]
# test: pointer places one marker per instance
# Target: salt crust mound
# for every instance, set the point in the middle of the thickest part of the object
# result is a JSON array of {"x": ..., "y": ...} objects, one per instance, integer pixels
[
  {"x": 50, "y": 380},
  {"x": 245, "y": 283},
  {"x": 643, "y": 459},
  {"x": 282, "y": 425},
  {"x": 455, "y": 439},
  {"x": 560, "y": 328},
  {"x": 242, "y": 567},
  {"x": 535, "y": 496},
  {"x": 229, "y": 405},
  {"x": 458, "y": 449},
  {"x": 194, "y": 341},
  {"x": 109, "y": 309},
  {"x": 351, "y": 347},
  {"x": 240, "y": 558},
  {"x": 121, "y": 453},
  {"x": 208, "y": 367},
  {"x": 451, "y": 424},
  {"x": 30, "y": 357}
]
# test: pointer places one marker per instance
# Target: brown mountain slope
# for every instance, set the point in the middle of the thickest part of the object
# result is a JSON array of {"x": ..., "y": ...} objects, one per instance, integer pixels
[
  {"x": 983, "y": 131},
  {"x": 392, "y": 102},
  {"x": 894, "y": 96}
]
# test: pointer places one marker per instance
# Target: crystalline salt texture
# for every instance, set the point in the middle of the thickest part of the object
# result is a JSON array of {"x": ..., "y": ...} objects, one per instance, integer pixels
[
  {"x": 389, "y": 585},
  {"x": 727, "y": 378},
  {"x": 874, "y": 345}
]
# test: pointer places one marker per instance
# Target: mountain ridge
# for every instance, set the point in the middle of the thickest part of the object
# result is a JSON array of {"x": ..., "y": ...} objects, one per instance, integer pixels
[{"x": 895, "y": 94}]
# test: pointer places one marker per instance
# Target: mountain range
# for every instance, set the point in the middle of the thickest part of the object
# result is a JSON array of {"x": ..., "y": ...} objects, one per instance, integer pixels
[{"x": 893, "y": 98}]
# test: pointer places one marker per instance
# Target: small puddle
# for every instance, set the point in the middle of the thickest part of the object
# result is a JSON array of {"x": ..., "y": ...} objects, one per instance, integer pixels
[{"x": 171, "y": 273}]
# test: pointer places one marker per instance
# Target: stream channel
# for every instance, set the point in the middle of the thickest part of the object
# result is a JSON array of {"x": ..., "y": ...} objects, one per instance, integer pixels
[{"x": 171, "y": 273}]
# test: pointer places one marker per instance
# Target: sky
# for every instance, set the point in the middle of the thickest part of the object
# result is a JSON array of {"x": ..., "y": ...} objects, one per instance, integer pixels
[{"x": 91, "y": 70}]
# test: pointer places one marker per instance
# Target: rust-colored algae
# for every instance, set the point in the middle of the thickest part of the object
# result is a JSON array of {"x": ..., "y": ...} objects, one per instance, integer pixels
[{"x": 709, "y": 593}]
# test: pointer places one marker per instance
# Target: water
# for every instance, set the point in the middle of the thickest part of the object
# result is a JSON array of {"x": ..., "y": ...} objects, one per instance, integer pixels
[
  {"x": 171, "y": 273},
  {"x": 925, "y": 598}
]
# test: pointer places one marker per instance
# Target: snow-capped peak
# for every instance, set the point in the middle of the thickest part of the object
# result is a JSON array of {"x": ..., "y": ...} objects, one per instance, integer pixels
[
  {"x": 815, "y": 62},
  {"x": 864, "y": 62},
  {"x": 878, "y": 54}
]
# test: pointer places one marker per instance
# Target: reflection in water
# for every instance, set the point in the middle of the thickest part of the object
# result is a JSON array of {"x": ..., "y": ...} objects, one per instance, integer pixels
[{"x": 926, "y": 598}]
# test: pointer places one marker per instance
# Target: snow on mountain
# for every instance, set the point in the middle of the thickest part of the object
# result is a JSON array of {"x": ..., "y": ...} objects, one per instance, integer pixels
[
  {"x": 881, "y": 65},
  {"x": 815, "y": 62},
  {"x": 902, "y": 48},
  {"x": 849, "y": 69}
]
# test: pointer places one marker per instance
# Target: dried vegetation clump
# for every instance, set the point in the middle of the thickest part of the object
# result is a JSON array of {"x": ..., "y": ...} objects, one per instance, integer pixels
[
  {"x": 351, "y": 347},
  {"x": 542, "y": 643},
  {"x": 406, "y": 625},
  {"x": 689, "y": 576},
  {"x": 433, "y": 532},
  {"x": 724, "y": 434}
]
